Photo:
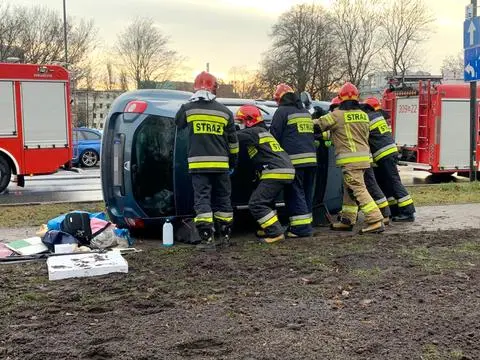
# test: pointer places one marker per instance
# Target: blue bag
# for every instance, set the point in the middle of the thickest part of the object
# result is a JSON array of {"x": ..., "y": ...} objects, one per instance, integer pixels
[{"x": 54, "y": 237}]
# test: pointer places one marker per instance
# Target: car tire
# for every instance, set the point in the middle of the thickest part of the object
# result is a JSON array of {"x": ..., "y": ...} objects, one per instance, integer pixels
[
  {"x": 89, "y": 158},
  {"x": 5, "y": 174}
]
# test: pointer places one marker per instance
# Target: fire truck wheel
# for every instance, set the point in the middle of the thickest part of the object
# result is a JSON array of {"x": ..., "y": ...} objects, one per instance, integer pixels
[
  {"x": 5, "y": 174},
  {"x": 89, "y": 158}
]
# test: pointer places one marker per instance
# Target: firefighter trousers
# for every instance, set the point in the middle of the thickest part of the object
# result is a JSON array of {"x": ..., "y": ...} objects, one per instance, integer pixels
[
  {"x": 355, "y": 194},
  {"x": 262, "y": 205},
  {"x": 388, "y": 178},
  {"x": 299, "y": 201},
  {"x": 376, "y": 193},
  {"x": 212, "y": 200}
]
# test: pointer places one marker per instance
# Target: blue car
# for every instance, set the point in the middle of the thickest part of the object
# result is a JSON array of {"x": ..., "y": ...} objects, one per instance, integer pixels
[{"x": 86, "y": 147}]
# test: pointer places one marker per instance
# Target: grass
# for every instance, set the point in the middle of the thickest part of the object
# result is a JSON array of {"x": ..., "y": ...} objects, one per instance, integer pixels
[
  {"x": 445, "y": 194},
  {"x": 35, "y": 215}
]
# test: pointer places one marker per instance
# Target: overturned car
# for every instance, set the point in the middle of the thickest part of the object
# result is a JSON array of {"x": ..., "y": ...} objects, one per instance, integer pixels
[{"x": 144, "y": 169}]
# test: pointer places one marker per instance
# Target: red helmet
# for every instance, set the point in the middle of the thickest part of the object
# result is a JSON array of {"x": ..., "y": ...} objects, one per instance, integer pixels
[
  {"x": 348, "y": 92},
  {"x": 205, "y": 81},
  {"x": 373, "y": 103},
  {"x": 281, "y": 90},
  {"x": 250, "y": 115},
  {"x": 335, "y": 101}
]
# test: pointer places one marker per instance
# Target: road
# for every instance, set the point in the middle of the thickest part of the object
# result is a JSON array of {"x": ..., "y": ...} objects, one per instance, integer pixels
[
  {"x": 85, "y": 186},
  {"x": 61, "y": 186}
]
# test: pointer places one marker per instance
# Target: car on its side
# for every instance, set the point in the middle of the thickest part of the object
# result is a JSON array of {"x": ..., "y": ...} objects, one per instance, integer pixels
[
  {"x": 144, "y": 169},
  {"x": 86, "y": 147}
]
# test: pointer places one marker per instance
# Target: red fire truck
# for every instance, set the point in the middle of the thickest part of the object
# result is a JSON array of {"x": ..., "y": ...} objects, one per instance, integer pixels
[
  {"x": 431, "y": 126},
  {"x": 35, "y": 121}
]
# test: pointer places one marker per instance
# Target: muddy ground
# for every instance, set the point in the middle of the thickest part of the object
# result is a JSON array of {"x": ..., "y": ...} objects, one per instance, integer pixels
[{"x": 406, "y": 296}]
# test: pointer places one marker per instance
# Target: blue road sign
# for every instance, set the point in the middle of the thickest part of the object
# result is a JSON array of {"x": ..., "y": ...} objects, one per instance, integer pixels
[
  {"x": 472, "y": 64},
  {"x": 471, "y": 32},
  {"x": 471, "y": 45}
]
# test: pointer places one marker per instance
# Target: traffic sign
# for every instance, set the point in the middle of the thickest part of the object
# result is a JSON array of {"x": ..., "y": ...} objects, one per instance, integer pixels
[
  {"x": 472, "y": 64},
  {"x": 471, "y": 32}
]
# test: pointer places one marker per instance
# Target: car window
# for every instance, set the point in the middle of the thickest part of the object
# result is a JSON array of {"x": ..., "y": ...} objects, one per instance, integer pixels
[{"x": 90, "y": 135}]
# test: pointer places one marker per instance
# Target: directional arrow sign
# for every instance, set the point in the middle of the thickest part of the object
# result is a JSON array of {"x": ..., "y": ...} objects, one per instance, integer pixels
[
  {"x": 471, "y": 33},
  {"x": 472, "y": 64}
]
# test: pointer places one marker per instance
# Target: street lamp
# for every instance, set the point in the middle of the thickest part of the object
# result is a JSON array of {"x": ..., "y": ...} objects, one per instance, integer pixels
[{"x": 65, "y": 31}]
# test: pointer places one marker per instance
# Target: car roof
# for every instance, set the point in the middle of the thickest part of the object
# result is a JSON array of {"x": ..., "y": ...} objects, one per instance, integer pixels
[{"x": 166, "y": 103}]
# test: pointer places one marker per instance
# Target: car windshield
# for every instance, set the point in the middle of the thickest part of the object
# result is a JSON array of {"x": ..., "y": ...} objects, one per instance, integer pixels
[{"x": 152, "y": 166}]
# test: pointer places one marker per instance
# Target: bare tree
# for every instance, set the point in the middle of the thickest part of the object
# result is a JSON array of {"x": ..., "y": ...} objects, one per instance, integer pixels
[
  {"x": 304, "y": 52},
  {"x": 123, "y": 80},
  {"x": 109, "y": 80},
  {"x": 145, "y": 52},
  {"x": 11, "y": 28},
  {"x": 357, "y": 27},
  {"x": 453, "y": 67},
  {"x": 406, "y": 25}
]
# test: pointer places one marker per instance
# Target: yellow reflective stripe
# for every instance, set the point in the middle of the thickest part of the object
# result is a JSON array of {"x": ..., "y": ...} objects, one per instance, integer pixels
[
  {"x": 204, "y": 219},
  {"x": 383, "y": 205},
  {"x": 405, "y": 203},
  {"x": 208, "y": 164},
  {"x": 348, "y": 132},
  {"x": 226, "y": 219},
  {"x": 277, "y": 176},
  {"x": 269, "y": 222},
  {"x": 301, "y": 222},
  {"x": 371, "y": 206},
  {"x": 267, "y": 139},
  {"x": 385, "y": 153},
  {"x": 298, "y": 120},
  {"x": 234, "y": 150},
  {"x": 304, "y": 161},
  {"x": 350, "y": 209},
  {"x": 353, "y": 159},
  {"x": 329, "y": 119},
  {"x": 204, "y": 117},
  {"x": 392, "y": 202},
  {"x": 378, "y": 124},
  {"x": 326, "y": 135}
]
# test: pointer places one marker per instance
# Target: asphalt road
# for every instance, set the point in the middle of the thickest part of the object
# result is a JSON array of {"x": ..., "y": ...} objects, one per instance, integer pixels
[
  {"x": 85, "y": 186},
  {"x": 61, "y": 186}
]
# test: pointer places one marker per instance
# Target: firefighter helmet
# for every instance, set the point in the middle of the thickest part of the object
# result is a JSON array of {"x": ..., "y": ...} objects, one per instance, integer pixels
[
  {"x": 281, "y": 90},
  {"x": 334, "y": 103},
  {"x": 348, "y": 92},
  {"x": 205, "y": 81},
  {"x": 249, "y": 115},
  {"x": 373, "y": 103}
]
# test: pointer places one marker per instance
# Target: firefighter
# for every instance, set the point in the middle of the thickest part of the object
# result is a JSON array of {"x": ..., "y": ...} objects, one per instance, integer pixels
[
  {"x": 349, "y": 127},
  {"x": 385, "y": 157},
  {"x": 212, "y": 154},
  {"x": 370, "y": 182},
  {"x": 275, "y": 168},
  {"x": 292, "y": 126}
]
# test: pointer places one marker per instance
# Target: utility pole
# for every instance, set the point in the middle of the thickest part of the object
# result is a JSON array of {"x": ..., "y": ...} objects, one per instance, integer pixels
[
  {"x": 208, "y": 67},
  {"x": 65, "y": 31},
  {"x": 473, "y": 117}
]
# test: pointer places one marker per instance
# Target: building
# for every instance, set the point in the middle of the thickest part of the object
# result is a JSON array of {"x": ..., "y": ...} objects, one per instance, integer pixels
[{"x": 90, "y": 107}]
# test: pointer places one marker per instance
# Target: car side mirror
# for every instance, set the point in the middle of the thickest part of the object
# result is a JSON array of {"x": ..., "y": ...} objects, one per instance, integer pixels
[{"x": 306, "y": 99}]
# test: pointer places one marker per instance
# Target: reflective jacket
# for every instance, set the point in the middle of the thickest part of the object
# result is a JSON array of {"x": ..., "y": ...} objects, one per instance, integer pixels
[
  {"x": 213, "y": 143},
  {"x": 292, "y": 126},
  {"x": 266, "y": 154},
  {"x": 349, "y": 130},
  {"x": 381, "y": 139}
]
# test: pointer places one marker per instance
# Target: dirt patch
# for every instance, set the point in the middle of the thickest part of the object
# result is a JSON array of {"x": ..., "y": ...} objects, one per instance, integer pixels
[{"x": 404, "y": 296}]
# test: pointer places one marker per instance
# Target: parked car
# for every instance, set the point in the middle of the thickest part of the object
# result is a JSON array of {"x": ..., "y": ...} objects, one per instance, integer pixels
[
  {"x": 145, "y": 171},
  {"x": 86, "y": 147}
]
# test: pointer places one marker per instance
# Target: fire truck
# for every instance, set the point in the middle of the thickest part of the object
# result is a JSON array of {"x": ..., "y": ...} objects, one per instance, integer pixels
[
  {"x": 35, "y": 121},
  {"x": 431, "y": 126}
]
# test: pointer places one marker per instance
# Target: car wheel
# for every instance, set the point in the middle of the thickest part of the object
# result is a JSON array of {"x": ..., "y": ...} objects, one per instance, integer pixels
[
  {"x": 5, "y": 174},
  {"x": 89, "y": 158}
]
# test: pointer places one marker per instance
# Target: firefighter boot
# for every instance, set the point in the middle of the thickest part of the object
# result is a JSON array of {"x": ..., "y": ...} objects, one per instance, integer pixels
[
  {"x": 342, "y": 225},
  {"x": 272, "y": 239},
  {"x": 373, "y": 228},
  {"x": 225, "y": 233},
  {"x": 386, "y": 221},
  {"x": 208, "y": 240},
  {"x": 404, "y": 218}
]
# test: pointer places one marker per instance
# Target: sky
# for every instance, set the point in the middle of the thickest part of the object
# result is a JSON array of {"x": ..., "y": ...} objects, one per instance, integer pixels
[{"x": 233, "y": 33}]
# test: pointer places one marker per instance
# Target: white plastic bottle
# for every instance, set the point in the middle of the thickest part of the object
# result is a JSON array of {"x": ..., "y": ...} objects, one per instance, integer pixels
[{"x": 167, "y": 233}]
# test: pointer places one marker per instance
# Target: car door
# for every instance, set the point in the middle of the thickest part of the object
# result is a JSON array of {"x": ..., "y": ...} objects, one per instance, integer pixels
[{"x": 76, "y": 140}]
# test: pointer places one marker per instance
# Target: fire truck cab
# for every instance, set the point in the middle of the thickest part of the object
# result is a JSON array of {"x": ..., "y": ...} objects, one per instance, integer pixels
[
  {"x": 35, "y": 121},
  {"x": 431, "y": 126}
]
